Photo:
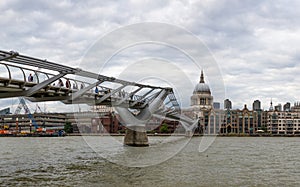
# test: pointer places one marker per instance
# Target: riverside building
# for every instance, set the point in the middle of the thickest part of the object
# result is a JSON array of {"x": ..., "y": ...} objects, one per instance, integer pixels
[
  {"x": 240, "y": 121},
  {"x": 284, "y": 122}
]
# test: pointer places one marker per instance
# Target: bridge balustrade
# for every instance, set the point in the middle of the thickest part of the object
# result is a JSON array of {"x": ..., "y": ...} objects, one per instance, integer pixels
[
  {"x": 18, "y": 77},
  {"x": 15, "y": 77}
]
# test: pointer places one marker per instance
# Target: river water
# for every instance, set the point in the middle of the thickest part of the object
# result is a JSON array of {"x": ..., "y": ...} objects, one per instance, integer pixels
[{"x": 228, "y": 161}]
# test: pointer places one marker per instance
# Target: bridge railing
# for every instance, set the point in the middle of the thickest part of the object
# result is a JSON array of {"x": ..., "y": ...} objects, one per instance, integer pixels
[{"x": 12, "y": 74}]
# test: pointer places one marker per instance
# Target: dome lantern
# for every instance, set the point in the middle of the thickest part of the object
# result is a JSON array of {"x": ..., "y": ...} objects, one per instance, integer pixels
[{"x": 202, "y": 77}]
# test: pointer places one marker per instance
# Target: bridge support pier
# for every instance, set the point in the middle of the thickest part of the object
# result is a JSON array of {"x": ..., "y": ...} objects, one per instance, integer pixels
[
  {"x": 189, "y": 133},
  {"x": 136, "y": 136}
]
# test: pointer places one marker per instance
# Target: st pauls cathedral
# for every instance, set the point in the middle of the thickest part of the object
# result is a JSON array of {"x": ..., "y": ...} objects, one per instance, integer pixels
[{"x": 202, "y": 108}]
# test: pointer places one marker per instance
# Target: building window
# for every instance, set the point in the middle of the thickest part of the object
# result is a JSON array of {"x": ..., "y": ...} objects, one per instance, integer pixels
[{"x": 202, "y": 101}]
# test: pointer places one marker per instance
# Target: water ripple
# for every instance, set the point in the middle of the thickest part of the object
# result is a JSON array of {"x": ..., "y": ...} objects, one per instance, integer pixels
[{"x": 230, "y": 161}]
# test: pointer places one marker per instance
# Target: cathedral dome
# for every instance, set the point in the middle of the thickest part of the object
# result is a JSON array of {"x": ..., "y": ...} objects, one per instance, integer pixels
[{"x": 201, "y": 87}]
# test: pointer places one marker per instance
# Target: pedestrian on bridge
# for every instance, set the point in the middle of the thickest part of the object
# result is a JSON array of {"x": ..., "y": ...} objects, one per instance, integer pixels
[
  {"x": 75, "y": 86},
  {"x": 60, "y": 83},
  {"x": 81, "y": 86},
  {"x": 68, "y": 84},
  {"x": 96, "y": 92},
  {"x": 30, "y": 78}
]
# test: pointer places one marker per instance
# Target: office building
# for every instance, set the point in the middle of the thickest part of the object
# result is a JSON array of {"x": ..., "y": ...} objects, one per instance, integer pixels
[
  {"x": 227, "y": 104},
  {"x": 217, "y": 105},
  {"x": 256, "y": 105},
  {"x": 287, "y": 107}
]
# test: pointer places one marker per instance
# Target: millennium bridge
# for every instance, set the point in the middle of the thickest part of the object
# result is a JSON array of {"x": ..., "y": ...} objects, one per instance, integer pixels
[{"x": 41, "y": 80}]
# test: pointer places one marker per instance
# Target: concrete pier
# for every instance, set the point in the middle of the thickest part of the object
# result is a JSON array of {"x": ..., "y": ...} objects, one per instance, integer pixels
[
  {"x": 136, "y": 136},
  {"x": 189, "y": 133}
]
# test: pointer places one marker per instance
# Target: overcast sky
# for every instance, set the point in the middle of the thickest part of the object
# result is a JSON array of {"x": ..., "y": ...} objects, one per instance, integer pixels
[{"x": 255, "y": 43}]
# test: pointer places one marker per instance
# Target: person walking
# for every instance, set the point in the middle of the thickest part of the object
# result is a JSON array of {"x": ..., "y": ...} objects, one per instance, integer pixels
[
  {"x": 30, "y": 78},
  {"x": 68, "y": 84},
  {"x": 60, "y": 83}
]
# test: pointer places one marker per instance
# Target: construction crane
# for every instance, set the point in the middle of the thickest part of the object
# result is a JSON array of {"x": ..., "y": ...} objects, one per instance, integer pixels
[
  {"x": 22, "y": 104},
  {"x": 38, "y": 108}
]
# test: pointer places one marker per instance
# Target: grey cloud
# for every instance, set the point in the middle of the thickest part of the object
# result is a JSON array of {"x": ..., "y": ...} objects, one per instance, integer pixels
[{"x": 255, "y": 43}]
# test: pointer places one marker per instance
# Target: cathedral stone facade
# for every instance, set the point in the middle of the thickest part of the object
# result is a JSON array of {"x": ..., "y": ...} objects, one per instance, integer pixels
[{"x": 202, "y": 109}]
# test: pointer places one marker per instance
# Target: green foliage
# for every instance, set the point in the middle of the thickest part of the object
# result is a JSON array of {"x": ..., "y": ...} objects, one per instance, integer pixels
[
  {"x": 68, "y": 127},
  {"x": 264, "y": 128},
  {"x": 164, "y": 128},
  {"x": 122, "y": 131},
  {"x": 151, "y": 132}
]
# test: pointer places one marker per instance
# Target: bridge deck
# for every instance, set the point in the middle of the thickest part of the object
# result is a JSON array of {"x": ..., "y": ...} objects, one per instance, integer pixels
[
  {"x": 11, "y": 88},
  {"x": 16, "y": 84}
]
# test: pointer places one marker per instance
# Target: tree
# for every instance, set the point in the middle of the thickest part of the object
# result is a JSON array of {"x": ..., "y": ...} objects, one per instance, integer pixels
[
  {"x": 164, "y": 128},
  {"x": 68, "y": 127}
]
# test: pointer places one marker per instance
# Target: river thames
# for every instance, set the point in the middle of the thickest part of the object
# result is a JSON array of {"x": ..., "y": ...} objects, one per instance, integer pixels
[{"x": 229, "y": 161}]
